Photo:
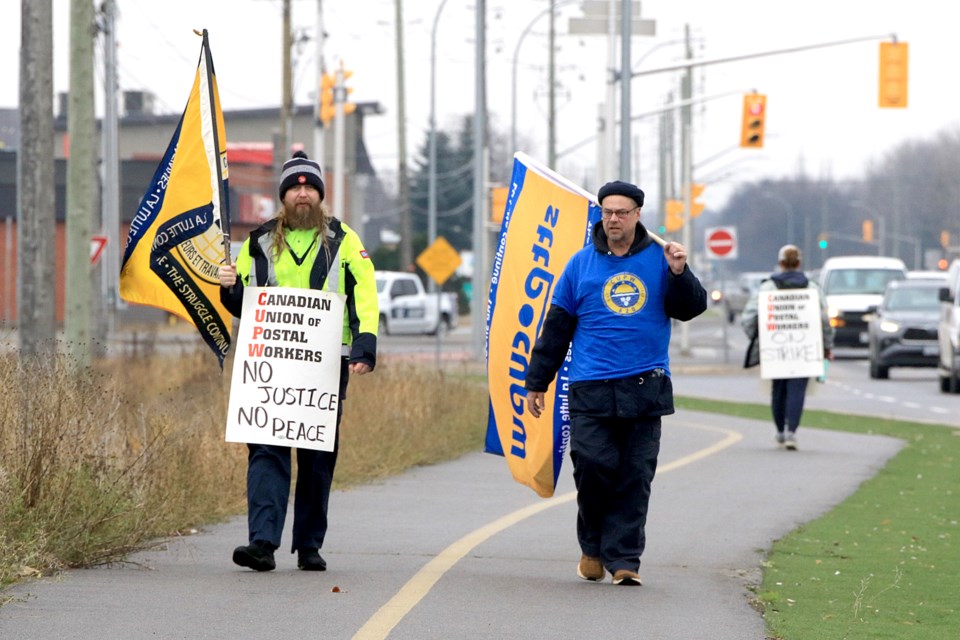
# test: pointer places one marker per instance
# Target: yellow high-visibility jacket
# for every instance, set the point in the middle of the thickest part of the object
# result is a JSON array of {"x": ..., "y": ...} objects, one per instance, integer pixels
[{"x": 306, "y": 264}]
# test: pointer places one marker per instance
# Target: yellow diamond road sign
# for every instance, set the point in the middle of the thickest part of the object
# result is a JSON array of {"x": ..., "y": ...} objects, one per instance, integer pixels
[{"x": 439, "y": 260}]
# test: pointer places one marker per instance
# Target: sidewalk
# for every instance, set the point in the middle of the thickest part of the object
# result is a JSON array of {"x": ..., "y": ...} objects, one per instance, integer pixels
[{"x": 508, "y": 576}]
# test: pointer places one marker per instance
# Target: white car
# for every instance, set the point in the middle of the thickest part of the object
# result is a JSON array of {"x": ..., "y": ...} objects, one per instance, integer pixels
[
  {"x": 407, "y": 308},
  {"x": 852, "y": 285}
]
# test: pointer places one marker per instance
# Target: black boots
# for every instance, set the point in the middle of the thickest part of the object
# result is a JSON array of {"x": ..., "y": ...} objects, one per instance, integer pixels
[
  {"x": 255, "y": 556},
  {"x": 310, "y": 560}
]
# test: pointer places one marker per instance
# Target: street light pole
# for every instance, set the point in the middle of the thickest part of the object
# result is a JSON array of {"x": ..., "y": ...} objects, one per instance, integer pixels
[
  {"x": 480, "y": 278},
  {"x": 789, "y": 210},
  {"x": 432, "y": 174}
]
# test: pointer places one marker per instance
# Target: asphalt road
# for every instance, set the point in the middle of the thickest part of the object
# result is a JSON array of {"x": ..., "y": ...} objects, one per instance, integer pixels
[{"x": 461, "y": 550}]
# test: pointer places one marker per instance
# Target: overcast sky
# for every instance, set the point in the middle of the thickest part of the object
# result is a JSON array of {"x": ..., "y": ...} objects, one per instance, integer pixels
[{"x": 823, "y": 117}]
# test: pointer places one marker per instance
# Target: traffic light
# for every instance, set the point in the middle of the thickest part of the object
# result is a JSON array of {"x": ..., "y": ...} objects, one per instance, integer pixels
[
  {"x": 754, "y": 116},
  {"x": 331, "y": 94},
  {"x": 327, "y": 109},
  {"x": 893, "y": 74},
  {"x": 944, "y": 238},
  {"x": 867, "y": 228},
  {"x": 696, "y": 208},
  {"x": 498, "y": 203},
  {"x": 348, "y": 107},
  {"x": 674, "y": 216},
  {"x": 823, "y": 241}
]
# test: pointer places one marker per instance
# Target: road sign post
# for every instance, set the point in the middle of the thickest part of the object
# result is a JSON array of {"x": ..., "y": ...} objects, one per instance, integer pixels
[{"x": 440, "y": 261}]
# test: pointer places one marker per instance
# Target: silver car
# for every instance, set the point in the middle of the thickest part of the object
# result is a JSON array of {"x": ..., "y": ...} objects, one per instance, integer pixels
[
  {"x": 735, "y": 295},
  {"x": 902, "y": 330}
]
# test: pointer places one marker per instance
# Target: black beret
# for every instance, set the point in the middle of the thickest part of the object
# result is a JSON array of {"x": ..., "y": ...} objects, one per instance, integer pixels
[
  {"x": 619, "y": 188},
  {"x": 301, "y": 170}
]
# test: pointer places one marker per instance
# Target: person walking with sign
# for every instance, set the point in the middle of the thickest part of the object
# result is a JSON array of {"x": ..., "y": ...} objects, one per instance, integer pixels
[
  {"x": 787, "y": 394},
  {"x": 302, "y": 247},
  {"x": 614, "y": 302}
]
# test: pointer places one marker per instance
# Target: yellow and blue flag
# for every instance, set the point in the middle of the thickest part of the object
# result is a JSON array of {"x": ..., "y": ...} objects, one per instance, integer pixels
[
  {"x": 176, "y": 241},
  {"x": 547, "y": 219}
]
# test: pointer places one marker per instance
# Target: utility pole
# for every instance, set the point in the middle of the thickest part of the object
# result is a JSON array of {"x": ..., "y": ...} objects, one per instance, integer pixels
[
  {"x": 686, "y": 86},
  {"x": 552, "y": 90},
  {"x": 667, "y": 159},
  {"x": 81, "y": 180},
  {"x": 612, "y": 19},
  {"x": 319, "y": 148},
  {"x": 686, "y": 161},
  {"x": 110, "y": 271},
  {"x": 479, "y": 281},
  {"x": 340, "y": 151},
  {"x": 403, "y": 184},
  {"x": 282, "y": 148},
  {"x": 609, "y": 169},
  {"x": 626, "y": 19},
  {"x": 36, "y": 224}
]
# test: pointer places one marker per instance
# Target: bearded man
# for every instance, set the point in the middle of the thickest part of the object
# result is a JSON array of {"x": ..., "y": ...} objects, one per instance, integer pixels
[{"x": 303, "y": 247}]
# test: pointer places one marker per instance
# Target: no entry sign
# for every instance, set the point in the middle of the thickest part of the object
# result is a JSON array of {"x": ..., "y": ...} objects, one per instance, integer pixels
[{"x": 721, "y": 243}]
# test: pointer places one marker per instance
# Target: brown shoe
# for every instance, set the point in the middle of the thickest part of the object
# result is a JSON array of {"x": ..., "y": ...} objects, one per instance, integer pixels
[
  {"x": 627, "y": 578},
  {"x": 590, "y": 568}
]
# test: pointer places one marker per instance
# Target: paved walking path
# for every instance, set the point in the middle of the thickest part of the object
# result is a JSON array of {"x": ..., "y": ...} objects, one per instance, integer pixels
[{"x": 459, "y": 550}]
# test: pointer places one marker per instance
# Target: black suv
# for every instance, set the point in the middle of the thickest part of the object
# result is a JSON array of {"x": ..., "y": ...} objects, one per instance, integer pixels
[{"x": 902, "y": 331}]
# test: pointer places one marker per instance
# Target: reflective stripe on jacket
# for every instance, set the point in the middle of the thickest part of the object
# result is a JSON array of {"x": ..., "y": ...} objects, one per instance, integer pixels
[{"x": 341, "y": 264}]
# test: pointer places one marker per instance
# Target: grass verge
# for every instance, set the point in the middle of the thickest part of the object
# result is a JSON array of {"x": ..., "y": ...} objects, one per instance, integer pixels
[
  {"x": 883, "y": 564},
  {"x": 96, "y": 466}
]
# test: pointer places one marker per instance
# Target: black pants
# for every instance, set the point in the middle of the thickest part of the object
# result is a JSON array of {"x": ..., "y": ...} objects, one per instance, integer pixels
[
  {"x": 268, "y": 488},
  {"x": 614, "y": 461},
  {"x": 787, "y": 398}
]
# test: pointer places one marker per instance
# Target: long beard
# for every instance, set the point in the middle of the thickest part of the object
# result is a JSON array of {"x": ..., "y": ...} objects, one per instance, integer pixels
[{"x": 302, "y": 216}]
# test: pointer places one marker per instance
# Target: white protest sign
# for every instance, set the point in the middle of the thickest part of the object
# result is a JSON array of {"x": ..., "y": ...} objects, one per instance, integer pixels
[
  {"x": 791, "y": 338},
  {"x": 286, "y": 373}
]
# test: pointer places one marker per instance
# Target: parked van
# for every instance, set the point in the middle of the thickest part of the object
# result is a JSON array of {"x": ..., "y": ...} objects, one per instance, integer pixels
[
  {"x": 948, "y": 331},
  {"x": 853, "y": 284}
]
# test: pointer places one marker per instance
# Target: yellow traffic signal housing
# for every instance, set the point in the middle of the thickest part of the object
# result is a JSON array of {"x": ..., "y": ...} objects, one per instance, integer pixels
[
  {"x": 867, "y": 228},
  {"x": 348, "y": 107},
  {"x": 894, "y": 57},
  {"x": 944, "y": 238},
  {"x": 754, "y": 120},
  {"x": 329, "y": 98},
  {"x": 696, "y": 208},
  {"x": 498, "y": 203},
  {"x": 327, "y": 109},
  {"x": 674, "y": 216}
]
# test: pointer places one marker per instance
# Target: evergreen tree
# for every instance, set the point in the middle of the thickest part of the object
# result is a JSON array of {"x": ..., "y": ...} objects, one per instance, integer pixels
[{"x": 454, "y": 199}]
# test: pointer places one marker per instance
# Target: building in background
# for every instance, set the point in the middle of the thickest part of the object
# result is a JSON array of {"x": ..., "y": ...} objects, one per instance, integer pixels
[{"x": 143, "y": 138}]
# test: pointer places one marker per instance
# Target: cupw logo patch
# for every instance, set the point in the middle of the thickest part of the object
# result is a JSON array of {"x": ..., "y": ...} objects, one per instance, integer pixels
[{"x": 624, "y": 294}]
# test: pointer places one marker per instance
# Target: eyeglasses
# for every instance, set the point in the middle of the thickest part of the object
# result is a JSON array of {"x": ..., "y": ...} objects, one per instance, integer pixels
[{"x": 620, "y": 213}]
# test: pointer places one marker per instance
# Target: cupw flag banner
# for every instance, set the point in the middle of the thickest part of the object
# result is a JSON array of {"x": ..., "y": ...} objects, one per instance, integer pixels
[
  {"x": 176, "y": 240},
  {"x": 547, "y": 219}
]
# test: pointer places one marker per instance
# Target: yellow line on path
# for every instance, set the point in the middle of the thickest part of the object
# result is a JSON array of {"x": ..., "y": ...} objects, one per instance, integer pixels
[{"x": 391, "y": 613}]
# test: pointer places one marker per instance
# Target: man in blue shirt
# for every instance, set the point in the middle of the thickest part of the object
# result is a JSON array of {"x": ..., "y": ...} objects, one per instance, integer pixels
[{"x": 614, "y": 302}]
